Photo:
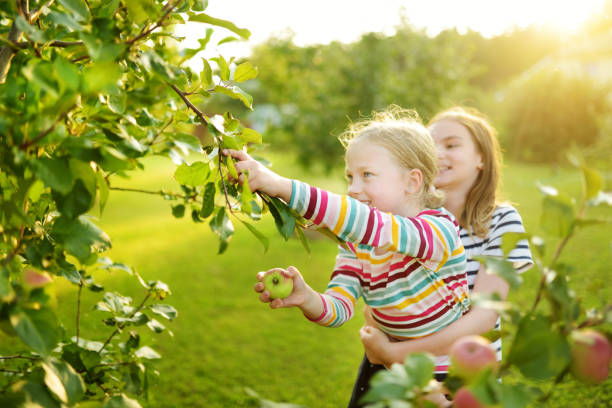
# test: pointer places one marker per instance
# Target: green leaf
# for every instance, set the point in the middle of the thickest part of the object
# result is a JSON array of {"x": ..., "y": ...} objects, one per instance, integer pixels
[
  {"x": 55, "y": 172},
  {"x": 222, "y": 226},
  {"x": 208, "y": 200},
  {"x": 420, "y": 367},
  {"x": 103, "y": 189},
  {"x": 99, "y": 76},
  {"x": 537, "y": 351},
  {"x": 107, "y": 8},
  {"x": 593, "y": 182},
  {"x": 117, "y": 100},
  {"x": 193, "y": 175},
  {"x": 206, "y": 74},
  {"x": 227, "y": 40},
  {"x": 63, "y": 381},
  {"x": 76, "y": 202},
  {"x": 204, "y": 18},
  {"x": 224, "y": 71},
  {"x": 244, "y": 72},
  {"x": 261, "y": 237},
  {"x": 5, "y": 286},
  {"x": 285, "y": 223},
  {"x": 65, "y": 20},
  {"x": 156, "y": 326},
  {"x": 77, "y": 7},
  {"x": 250, "y": 136},
  {"x": 30, "y": 31},
  {"x": 178, "y": 211},
  {"x": 67, "y": 74},
  {"x": 236, "y": 93},
  {"x": 246, "y": 197},
  {"x": 36, "y": 327},
  {"x": 510, "y": 239},
  {"x": 558, "y": 212},
  {"x": 166, "y": 311},
  {"x": 79, "y": 235},
  {"x": 502, "y": 268},
  {"x": 186, "y": 142},
  {"x": 302, "y": 237},
  {"x": 121, "y": 401},
  {"x": 147, "y": 352}
]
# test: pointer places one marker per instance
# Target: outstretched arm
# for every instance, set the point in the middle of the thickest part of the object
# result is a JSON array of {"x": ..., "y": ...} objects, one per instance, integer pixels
[{"x": 477, "y": 321}]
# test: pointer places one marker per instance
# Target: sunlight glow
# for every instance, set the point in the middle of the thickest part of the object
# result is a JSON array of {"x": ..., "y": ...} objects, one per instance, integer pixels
[{"x": 323, "y": 21}]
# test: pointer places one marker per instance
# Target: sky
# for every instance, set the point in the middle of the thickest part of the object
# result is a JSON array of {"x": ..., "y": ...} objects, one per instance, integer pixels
[{"x": 323, "y": 21}]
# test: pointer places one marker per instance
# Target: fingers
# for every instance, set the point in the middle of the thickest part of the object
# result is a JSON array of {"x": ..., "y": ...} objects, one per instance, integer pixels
[{"x": 237, "y": 154}]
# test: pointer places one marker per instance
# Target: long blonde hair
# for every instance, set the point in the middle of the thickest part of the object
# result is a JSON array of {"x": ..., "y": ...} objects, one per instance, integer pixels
[
  {"x": 482, "y": 198},
  {"x": 401, "y": 132}
]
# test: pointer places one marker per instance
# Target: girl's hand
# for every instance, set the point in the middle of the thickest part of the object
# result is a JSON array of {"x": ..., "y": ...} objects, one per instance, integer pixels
[
  {"x": 375, "y": 343},
  {"x": 260, "y": 177},
  {"x": 297, "y": 296}
]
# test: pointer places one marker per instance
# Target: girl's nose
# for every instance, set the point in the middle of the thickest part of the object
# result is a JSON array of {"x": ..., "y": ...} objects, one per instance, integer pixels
[{"x": 354, "y": 189}]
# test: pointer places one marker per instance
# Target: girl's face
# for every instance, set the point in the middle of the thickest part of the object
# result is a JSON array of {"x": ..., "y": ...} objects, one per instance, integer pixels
[
  {"x": 376, "y": 179},
  {"x": 459, "y": 161}
]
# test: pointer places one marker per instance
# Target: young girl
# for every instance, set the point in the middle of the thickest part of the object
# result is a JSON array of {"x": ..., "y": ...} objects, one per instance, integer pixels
[
  {"x": 469, "y": 170},
  {"x": 404, "y": 254}
]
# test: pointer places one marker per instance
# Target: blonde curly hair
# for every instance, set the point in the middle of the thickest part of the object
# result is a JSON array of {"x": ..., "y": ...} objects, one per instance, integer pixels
[{"x": 402, "y": 133}]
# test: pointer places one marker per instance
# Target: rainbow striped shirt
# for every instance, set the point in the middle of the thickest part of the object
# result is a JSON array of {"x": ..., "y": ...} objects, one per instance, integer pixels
[{"x": 409, "y": 270}]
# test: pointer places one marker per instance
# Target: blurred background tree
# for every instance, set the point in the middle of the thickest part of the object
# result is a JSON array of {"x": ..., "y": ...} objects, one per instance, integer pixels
[{"x": 543, "y": 91}]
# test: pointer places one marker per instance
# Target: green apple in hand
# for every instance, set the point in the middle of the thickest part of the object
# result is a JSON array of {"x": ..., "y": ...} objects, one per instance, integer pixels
[{"x": 278, "y": 285}]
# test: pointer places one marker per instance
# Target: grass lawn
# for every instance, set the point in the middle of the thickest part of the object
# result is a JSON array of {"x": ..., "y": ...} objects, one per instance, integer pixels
[{"x": 226, "y": 340}]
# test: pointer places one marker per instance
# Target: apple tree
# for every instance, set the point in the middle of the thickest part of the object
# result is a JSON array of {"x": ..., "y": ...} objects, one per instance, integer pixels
[{"x": 88, "y": 90}]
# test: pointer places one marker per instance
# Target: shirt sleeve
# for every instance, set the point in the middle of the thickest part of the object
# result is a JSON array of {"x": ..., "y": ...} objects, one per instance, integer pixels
[
  {"x": 432, "y": 236},
  {"x": 343, "y": 290},
  {"x": 509, "y": 221}
]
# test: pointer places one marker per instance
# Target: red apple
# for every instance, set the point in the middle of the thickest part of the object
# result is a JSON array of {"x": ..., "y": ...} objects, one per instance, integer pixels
[
  {"x": 35, "y": 279},
  {"x": 470, "y": 355},
  {"x": 591, "y": 355},
  {"x": 465, "y": 399}
]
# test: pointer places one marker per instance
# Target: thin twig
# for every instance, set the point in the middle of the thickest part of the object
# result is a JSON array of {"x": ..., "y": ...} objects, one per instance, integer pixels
[
  {"x": 143, "y": 33},
  {"x": 25, "y": 144},
  {"x": 152, "y": 192},
  {"x": 78, "y": 314},
  {"x": 121, "y": 326},
  {"x": 60, "y": 44},
  {"x": 18, "y": 356}
]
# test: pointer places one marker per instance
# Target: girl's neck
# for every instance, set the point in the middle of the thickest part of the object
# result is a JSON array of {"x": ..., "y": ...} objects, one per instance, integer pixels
[{"x": 455, "y": 202}]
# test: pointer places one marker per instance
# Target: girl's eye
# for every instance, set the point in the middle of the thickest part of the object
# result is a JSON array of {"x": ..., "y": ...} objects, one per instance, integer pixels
[
  {"x": 349, "y": 178},
  {"x": 367, "y": 174},
  {"x": 451, "y": 145}
]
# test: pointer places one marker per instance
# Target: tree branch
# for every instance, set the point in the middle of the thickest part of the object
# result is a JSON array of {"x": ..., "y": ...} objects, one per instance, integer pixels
[
  {"x": 145, "y": 32},
  {"x": 25, "y": 144},
  {"x": 121, "y": 326},
  {"x": 7, "y": 53}
]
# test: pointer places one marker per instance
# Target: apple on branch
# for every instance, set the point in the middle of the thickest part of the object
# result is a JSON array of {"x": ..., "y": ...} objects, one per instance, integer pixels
[
  {"x": 591, "y": 355},
  {"x": 471, "y": 355}
]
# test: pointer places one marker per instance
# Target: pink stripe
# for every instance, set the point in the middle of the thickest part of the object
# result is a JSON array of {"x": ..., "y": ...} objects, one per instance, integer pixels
[
  {"x": 318, "y": 319},
  {"x": 427, "y": 312},
  {"x": 376, "y": 241},
  {"x": 430, "y": 240},
  {"x": 419, "y": 228},
  {"x": 348, "y": 307},
  {"x": 322, "y": 207},
  {"x": 441, "y": 368}
]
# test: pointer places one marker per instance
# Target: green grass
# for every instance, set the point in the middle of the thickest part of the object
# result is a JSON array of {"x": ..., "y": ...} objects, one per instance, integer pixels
[{"x": 226, "y": 340}]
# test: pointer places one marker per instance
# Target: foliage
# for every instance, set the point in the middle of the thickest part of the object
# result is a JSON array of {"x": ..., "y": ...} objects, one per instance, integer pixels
[
  {"x": 309, "y": 92},
  {"x": 88, "y": 89},
  {"x": 312, "y": 91},
  {"x": 540, "y": 342},
  {"x": 550, "y": 111}
]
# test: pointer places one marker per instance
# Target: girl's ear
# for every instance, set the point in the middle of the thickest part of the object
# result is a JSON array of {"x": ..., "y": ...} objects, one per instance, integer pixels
[{"x": 414, "y": 181}]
